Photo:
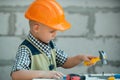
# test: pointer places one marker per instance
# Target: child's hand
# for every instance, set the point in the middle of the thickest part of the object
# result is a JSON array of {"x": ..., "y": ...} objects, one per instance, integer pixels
[{"x": 53, "y": 74}]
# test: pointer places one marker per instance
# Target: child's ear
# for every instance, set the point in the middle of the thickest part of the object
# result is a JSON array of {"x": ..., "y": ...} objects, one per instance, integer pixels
[{"x": 36, "y": 28}]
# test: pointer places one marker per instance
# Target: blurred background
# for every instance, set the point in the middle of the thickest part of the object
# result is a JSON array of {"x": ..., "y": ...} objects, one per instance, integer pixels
[{"x": 95, "y": 26}]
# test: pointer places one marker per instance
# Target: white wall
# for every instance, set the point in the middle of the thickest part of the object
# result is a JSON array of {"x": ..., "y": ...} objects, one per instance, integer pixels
[{"x": 95, "y": 26}]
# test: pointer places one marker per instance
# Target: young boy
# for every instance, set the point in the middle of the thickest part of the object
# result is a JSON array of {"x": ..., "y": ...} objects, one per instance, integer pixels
[{"x": 38, "y": 56}]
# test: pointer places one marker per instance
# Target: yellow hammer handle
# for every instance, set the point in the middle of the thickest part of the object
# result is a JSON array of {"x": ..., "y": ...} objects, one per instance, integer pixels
[{"x": 92, "y": 61}]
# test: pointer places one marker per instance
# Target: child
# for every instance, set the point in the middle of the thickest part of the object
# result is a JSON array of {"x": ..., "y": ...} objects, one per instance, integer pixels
[{"x": 38, "y": 56}]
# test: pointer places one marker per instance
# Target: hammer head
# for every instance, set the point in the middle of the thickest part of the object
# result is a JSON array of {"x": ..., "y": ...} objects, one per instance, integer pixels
[{"x": 103, "y": 57}]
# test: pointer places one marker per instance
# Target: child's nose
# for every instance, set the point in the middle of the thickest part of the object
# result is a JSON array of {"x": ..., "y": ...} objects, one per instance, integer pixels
[{"x": 54, "y": 34}]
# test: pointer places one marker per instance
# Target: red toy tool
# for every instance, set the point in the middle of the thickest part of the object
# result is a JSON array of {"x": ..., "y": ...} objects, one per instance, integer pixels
[{"x": 74, "y": 77}]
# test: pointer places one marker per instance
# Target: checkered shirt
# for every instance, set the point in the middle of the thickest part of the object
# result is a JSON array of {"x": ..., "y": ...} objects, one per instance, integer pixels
[{"x": 23, "y": 58}]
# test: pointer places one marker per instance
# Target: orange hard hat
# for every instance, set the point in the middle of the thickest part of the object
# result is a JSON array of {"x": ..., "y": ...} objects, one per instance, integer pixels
[{"x": 48, "y": 12}]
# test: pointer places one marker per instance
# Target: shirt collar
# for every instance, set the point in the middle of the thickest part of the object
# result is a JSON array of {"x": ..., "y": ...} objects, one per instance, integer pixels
[{"x": 41, "y": 45}]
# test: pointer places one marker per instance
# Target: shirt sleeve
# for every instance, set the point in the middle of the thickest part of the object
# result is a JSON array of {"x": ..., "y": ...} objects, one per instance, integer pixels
[
  {"x": 22, "y": 60},
  {"x": 61, "y": 56}
]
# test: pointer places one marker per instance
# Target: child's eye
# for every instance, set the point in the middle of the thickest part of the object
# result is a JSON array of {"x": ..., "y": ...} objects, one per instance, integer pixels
[{"x": 52, "y": 31}]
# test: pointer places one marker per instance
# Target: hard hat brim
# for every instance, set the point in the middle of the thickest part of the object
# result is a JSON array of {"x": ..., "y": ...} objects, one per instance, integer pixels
[{"x": 62, "y": 26}]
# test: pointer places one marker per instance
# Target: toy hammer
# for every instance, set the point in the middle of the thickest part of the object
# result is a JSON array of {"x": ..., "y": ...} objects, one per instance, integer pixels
[{"x": 102, "y": 58}]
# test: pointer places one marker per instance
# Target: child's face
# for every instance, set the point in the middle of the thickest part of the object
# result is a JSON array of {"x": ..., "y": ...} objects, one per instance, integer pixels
[{"x": 45, "y": 33}]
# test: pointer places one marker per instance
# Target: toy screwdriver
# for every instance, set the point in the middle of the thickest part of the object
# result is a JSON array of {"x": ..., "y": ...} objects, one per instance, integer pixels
[{"x": 102, "y": 58}]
